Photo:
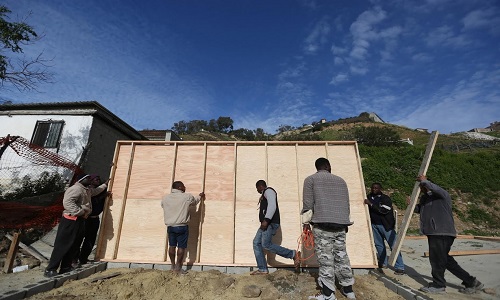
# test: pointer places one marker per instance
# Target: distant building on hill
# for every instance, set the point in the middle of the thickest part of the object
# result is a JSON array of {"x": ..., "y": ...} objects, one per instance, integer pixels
[
  {"x": 160, "y": 135},
  {"x": 375, "y": 118},
  {"x": 495, "y": 126}
]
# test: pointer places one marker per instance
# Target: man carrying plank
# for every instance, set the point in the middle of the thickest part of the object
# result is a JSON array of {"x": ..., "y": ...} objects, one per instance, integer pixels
[{"x": 436, "y": 222}]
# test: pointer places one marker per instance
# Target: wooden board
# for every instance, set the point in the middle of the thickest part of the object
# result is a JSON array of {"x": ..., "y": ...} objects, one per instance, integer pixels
[
  {"x": 223, "y": 227},
  {"x": 470, "y": 252},
  {"x": 413, "y": 199}
]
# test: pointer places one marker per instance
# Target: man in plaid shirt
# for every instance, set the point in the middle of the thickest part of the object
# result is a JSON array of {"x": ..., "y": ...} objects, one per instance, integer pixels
[{"x": 327, "y": 197}]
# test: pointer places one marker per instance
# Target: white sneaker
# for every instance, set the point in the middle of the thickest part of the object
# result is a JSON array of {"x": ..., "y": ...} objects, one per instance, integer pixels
[
  {"x": 320, "y": 296},
  {"x": 349, "y": 295}
]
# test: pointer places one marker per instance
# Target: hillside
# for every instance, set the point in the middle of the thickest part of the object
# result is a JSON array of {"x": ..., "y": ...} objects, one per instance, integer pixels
[{"x": 468, "y": 166}]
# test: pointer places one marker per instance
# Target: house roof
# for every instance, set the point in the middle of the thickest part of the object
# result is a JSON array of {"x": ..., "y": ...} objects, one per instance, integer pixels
[
  {"x": 92, "y": 108},
  {"x": 159, "y": 135}
]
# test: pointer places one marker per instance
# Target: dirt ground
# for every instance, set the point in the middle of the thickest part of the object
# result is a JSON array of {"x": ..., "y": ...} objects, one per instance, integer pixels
[{"x": 135, "y": 284}]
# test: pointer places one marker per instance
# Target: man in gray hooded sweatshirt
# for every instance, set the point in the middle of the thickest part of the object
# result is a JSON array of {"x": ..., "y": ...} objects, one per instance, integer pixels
[{"x": 436, "y": 222}]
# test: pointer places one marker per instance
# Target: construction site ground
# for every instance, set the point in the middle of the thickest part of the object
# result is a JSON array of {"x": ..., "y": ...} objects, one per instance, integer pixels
[{"x": 146, "y": 281}]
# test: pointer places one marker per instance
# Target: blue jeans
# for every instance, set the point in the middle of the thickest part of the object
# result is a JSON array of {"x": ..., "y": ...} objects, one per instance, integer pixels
[
  {"x": 379, "y": 235},
  {"x": 263, "y": 241}
]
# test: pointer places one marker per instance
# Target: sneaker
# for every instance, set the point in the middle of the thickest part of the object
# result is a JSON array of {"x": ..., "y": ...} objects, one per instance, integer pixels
[
  {"x": 320, "y": 296},
  {"x": 50, "y": 273},
  {"x": 399, "y": 272},
  {"x": 348, "y": 292},
  {"x": 433, "y": 290},
  {"x": 476, "y": 287}
]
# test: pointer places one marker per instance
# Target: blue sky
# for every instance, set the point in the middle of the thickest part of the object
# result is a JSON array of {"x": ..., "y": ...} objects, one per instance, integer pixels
[{"x": 433, "y": 64}]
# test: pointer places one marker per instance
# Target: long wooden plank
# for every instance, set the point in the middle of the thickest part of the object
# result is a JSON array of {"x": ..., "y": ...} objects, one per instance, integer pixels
[
  {"x": 29, "y": 249},
  {"x": 488, "y": 238},
  {"x": 424, "y": 237},
  {"x": 414, "y": 198},
  {"x": 470, "y": 252}
]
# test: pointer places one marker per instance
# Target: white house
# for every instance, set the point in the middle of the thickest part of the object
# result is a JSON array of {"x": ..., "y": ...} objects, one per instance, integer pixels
[{"x": 82, "y": 132}]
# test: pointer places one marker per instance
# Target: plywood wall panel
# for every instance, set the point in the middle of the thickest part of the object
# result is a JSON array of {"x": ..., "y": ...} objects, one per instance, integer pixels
[
  {"x": 222, "y": 230},
  {"x": 143, "y": 231},
  {"x": 151, "y": 175}
]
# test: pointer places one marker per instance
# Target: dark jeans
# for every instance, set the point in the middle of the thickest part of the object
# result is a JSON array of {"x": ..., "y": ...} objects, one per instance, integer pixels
[
  {"x": 68, "y": 240},
  {"x": 439, "y": 246},
  {"x": 91, "y": 228}
]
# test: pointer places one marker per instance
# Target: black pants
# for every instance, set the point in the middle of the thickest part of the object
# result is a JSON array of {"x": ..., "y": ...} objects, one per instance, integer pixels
[
  {"x": 91, "y": 228},
  {"x": 439, "y": 246},
  {"x": 68, "y": 239}
]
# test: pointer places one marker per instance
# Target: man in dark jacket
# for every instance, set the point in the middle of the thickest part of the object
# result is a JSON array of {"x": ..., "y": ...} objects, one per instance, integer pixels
[
  {"x": 269, "y": 217},
  {"x": 383, "y": 223},
  {"x": 436, "y": 222}
]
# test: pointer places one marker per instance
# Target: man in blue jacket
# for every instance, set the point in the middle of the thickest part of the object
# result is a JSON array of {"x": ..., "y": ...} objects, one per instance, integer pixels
[{"x": 436, "y": 222}]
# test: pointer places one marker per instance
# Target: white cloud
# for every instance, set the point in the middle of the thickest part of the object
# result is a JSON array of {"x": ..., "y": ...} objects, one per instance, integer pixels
[
  {"x": 338, "y": 61},
  {"x": 458, "y": 107},
  {"x": 422, "y": 57},
  {"x": 318, "y": 37},
  {"x": 339, "y": 78},
  {"x": 444, "y": 36},
  {"x": 362, "y": 31},
  {"x": 488, "y": 18}
]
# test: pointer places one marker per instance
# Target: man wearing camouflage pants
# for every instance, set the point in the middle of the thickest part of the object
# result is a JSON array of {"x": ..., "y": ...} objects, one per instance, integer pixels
[{"x": 326, "y": 207}]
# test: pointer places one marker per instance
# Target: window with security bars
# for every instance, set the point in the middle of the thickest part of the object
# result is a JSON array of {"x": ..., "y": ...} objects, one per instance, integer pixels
[{"x": 47, "y": 134}]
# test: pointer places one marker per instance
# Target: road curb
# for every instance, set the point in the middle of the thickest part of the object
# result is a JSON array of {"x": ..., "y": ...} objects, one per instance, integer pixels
[
  {"x": 54, "y": 282},
  {"x": 404, "y": 291}
]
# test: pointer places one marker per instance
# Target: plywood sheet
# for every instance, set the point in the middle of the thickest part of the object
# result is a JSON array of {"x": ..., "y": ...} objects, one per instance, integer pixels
[
  {"x": 282, "y": 174},
  {"x": 112, "y": 214},
  {"x": 217, "y": 236},
  {"x": 143, "y": 231},
  {"x": 344, "y": 161},
  {"x": 190, "y": 168},
  {"x": 250, "y": 167},
  {"x": 151, "y": 175}
]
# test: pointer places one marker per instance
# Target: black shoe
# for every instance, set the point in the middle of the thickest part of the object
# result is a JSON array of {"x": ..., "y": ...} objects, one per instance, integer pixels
[
  {"x": 399, "y": 272},
  {"x": 476, "y": 287},
  {"x": 380, "y": 270},
  {"x": 50, "y": 273}
]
